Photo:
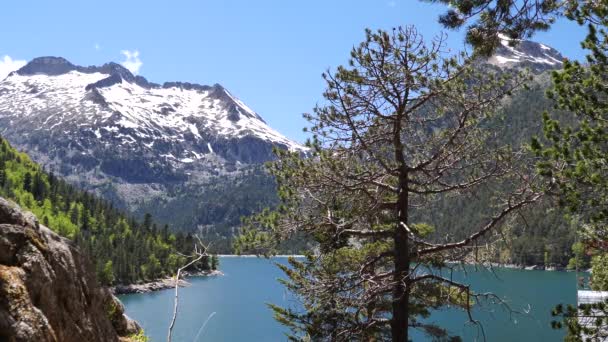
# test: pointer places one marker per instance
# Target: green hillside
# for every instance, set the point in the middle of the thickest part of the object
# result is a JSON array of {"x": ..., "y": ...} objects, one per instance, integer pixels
[{"x": 122, "y": 249}]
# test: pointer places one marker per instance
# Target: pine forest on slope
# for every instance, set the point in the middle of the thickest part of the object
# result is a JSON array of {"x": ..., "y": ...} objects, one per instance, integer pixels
[{"x": 123, "y": 250}]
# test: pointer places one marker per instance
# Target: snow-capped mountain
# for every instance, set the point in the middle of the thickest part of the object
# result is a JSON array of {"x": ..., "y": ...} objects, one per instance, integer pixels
[
  {"x": 90, "y": 113},
  {"x": 180, "y": 121},
  {"x": 103, "y": 127},
  {"x": 526, "y": 54}
]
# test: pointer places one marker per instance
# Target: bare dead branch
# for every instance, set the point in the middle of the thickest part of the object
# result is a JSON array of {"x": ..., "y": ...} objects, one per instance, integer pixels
[{"x": 200, "y": 251}]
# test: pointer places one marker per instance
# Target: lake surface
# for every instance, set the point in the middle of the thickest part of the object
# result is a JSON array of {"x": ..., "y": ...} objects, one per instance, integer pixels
[{"x": 232, "y": 307}]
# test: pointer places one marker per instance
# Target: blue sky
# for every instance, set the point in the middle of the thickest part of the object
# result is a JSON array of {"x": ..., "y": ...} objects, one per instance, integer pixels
[{"x": 269, "y": 53}]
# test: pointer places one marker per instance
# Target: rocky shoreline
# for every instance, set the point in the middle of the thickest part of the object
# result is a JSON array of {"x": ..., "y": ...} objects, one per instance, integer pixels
[
  {"x": 534, "y": 267},
  {"x": 169, "y": 283},
  {"x": 517, "y": 266},
  {"x": 161, "y": 284}
]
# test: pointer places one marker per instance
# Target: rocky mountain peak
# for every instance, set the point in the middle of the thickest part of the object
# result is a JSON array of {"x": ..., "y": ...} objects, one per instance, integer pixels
[
  {"x": 133, "y": 109},
  {"x": 113, "y": 68},
  {"x": 47, "y": 65},
  {"x": 525, "y": 54},
  {"x": 55, "y": 66}
]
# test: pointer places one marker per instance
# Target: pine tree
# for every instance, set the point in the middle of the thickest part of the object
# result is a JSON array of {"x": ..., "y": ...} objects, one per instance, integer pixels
[
  {"x": 74, "y": 214},
  {"x": 215, "y": 262},
  {"x": 147, "y": 222},
  {"x": 486, "y": 19},
  {"x": 165, "y": 233},
  {"x": 27, "y": 182},
  {"x": 574, "y": 155},
  {"x": 85, "y": 221},
  {"x": 107, "y": 274},
  {"x": 38, "y": 187},
  {"x": 403, "y": 125}
]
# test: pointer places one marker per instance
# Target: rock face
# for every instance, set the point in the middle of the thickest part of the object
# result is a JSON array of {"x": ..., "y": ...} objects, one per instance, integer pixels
[{"x": 48, "y": 290}]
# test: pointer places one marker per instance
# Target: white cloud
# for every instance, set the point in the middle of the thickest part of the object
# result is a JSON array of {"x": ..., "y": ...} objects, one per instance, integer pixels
[
  {"x": 132, "y": 61},
  {"x": 7, "y": 64},
  {"x": 97, "y": 46}
]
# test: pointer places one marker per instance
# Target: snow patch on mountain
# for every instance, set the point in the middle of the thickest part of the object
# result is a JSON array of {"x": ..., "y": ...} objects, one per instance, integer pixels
[
  {"x": 524, "y": 53},
  {"x": 53, "y": 94}
]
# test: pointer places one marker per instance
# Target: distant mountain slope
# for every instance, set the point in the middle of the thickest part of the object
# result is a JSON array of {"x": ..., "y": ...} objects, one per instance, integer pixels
[
  {"x": 538, "y": 235},
  {"x": 149, "y": 147}
]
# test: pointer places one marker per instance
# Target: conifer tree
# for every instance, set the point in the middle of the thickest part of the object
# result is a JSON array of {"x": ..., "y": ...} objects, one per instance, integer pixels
[
  {"x": 486, "y": 19},
  {"x": 403, "y": 124},
  {"x": 2, "y": 177},
  {"x": 107, "y": 274},
  {"x": 575, "y": 154},
  {"x": 215, "y": 262},
  {"x": 147, "y": 224},
  {"x": 27, "y": 182},
  {"x": 38, "y": 187}
]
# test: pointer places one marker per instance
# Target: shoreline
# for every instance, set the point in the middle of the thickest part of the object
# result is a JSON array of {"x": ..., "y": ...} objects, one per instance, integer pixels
[
  {"x": 536, "y": 267},
  {"x": 161, "y": 284},
  {"x": 169, "y": 282}
]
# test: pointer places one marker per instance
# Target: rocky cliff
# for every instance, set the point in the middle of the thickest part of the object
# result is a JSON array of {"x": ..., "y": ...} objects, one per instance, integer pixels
[{"x": 48, "y": 290}]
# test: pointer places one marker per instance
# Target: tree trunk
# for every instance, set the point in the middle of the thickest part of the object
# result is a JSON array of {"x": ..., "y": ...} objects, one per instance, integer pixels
[{"x": 399, "y": 324}]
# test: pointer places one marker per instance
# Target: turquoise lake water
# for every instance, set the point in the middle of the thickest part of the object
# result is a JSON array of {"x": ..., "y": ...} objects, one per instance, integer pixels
[{"x": 232, "y": 307}]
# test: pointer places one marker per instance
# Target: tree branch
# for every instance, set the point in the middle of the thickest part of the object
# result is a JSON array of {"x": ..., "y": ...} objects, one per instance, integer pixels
[{"x": 199, "y": 254}]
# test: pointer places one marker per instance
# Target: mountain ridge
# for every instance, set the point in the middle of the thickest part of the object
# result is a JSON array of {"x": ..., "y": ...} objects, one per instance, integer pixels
[{"x": 55, "y": 65}]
